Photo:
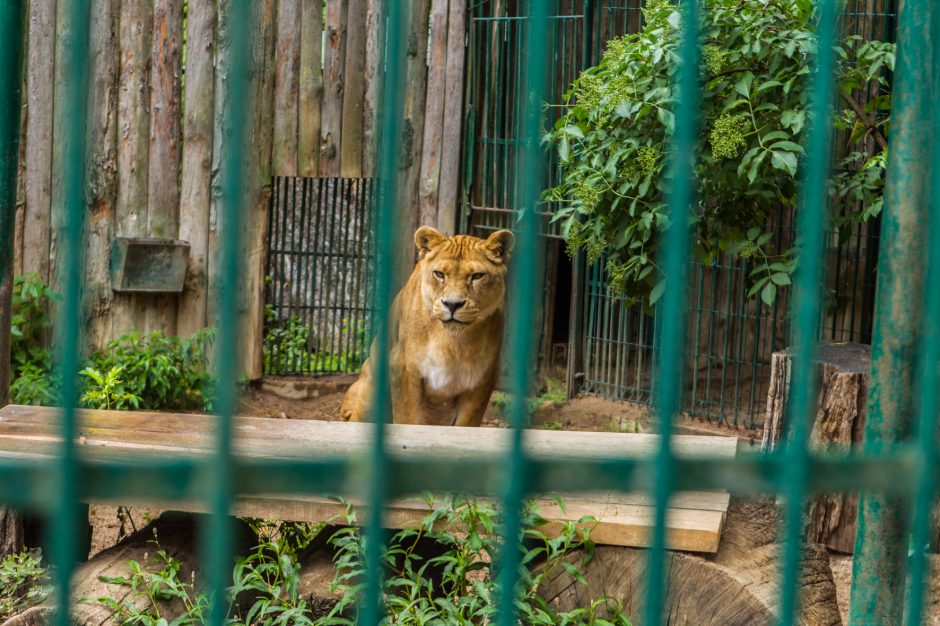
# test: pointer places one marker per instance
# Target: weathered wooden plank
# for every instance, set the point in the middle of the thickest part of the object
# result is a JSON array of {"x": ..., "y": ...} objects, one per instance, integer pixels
[
  {"x": 694, "y": 520},
  {"x": 40, "y": 71},
  {"x": 101, "y": 139},
  {"x": 372, "y": 75},
  {"x": 133, "y": 149},
  {"x": 319, "y": 439},
  {"x": 197, "y": 162},
  {"x": 311, "y": 88},
  {"x": 618, "y": 525},
  {"x": 334, "y": 66},
  {"x": 163, "y": 190},
  {"x": 220, "y": 130},
  {"x": 287, "y": 87},
  {"x": 353, "y": 90},
  {"x": 429, "y": 178},
  {"x": 412, "y": 139},
  {"x": 448, "y": 185},
  {"x": 258, "y": 188}
]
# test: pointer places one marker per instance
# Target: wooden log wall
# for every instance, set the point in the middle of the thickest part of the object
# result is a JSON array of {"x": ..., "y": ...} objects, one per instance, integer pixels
[{"x": 156, "y": 130}]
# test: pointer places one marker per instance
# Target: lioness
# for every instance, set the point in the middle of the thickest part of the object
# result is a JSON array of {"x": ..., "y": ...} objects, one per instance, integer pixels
[{"x": 445, "y": 333}]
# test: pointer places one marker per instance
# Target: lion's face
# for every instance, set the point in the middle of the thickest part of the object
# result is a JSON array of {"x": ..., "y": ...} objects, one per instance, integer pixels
[{"x": 462, "y": 278}]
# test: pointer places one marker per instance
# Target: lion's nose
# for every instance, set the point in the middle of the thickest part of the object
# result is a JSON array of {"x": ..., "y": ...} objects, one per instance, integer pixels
[{"x": 453, "y": 305}]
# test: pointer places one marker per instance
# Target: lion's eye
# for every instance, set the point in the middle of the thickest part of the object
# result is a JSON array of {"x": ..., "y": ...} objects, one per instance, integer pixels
[
  {"x": 477, "y": 276},
  {"x": 438, "y": 274}
]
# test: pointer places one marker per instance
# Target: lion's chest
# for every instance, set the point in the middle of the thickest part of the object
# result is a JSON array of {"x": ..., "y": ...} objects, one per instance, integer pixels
[{"x": 447, "y": 373}]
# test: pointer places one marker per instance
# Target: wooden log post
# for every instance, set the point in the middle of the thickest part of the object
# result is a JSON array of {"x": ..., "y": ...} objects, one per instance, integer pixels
[
  {"x": 353, "y": 90},
  {"x": 737, "y": 586},
  {"x": 311, "y": 89},
  {"x": 449, "y": 182},
  {"x": 838, "y": 424},
  {"x": 334, "y": 67},
  {"x": 372, "y": 78},
  {"x": 197, "y": 162},
  {"x": 101, "y": 140}
]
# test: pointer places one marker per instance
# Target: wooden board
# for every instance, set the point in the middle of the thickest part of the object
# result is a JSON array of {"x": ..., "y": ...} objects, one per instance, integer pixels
[{"x": 694, "y": 520}]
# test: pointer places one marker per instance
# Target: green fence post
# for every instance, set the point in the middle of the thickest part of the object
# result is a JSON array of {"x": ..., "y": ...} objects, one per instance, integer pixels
[
  {"x": 12, "y": 33},
  {"x": 881, "y": 542}
]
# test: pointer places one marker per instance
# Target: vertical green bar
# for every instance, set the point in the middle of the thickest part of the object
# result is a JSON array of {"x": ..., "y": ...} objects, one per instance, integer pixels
[
  {"x": 386, "y": 241},
  {"x": 930, "y": 356},
  {"x": 13, "y": 35},
  {"x": 524, "y": 290},
  {"x": 672, "y": 312},
  {"x": 216, "y": 537},
  {"x": 811, "y": 224},
  {"x": 64, "y": 529},
  {"x": 881, "y": 541}
]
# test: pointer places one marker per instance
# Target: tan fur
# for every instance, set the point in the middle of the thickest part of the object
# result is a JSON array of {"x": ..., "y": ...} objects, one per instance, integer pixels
[{"x": 443, "y": 364}]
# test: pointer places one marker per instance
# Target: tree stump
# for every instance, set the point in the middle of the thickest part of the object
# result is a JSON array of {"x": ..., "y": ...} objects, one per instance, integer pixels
[
  {"x": 737, "y": 586},
  {"x": 12, "y": 530},
  {"x": 838, "y": 424}
]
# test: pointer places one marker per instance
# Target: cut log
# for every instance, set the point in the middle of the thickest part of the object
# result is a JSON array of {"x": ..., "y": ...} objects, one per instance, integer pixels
[
  {"x": 737, "y": 586},
  {"x": 838, "y": 424},
  {"x": 178, "y": 535}
]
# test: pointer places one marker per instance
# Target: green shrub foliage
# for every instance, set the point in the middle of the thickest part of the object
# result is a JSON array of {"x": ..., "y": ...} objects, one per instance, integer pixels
[{"x": 613, "y": 137}]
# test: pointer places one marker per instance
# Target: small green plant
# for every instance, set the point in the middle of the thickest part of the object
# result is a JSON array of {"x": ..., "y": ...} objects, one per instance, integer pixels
[
  {"x": 158, "y": 580},
  {"x": 23, "y": 582},
  {"x": 467, "y": 531},
  {"x": 30, "y": 360},
  {"x": 456, "y": 587},
  {"x": 555, "y": 425},
  {"x": 287, "y": 347},
  {"x": 162, "y": 373},
  {"x": 554, "y": 393},
  {"x": 107, "y": 390}
]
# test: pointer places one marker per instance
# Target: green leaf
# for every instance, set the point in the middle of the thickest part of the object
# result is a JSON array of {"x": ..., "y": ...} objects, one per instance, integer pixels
[
  {"x": 788, "y": 145},
  {"x": 769, "y": 293},
  {"x": 784, "y": 161},
  {"x": 666, "y": 118},
  {"x": 780, "y": 278},
  {"x": 563, "y": 148},
  {"x": 657, "y": 291}
]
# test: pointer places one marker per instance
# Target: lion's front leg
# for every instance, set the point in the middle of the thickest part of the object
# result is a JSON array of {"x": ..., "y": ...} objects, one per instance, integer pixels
[
  {"x": 472, "y": 405},
  {"x": 407, "y": 407}
]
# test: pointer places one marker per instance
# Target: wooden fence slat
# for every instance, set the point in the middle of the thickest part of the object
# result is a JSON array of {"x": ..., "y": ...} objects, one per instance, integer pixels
[
  {"x": 197, "y": 162},
  {"x": 40, "y": 70},
  {"x": 333, "y": 76},
  {"x": 412, "y": 138},
  {"x": 133, "y": 149},
  {"x": 353, "y": 90},
  {"x": 20, "y": 215},
  {"x": 434, "y": 119},
  {"x": 311, "y": 88},
  {"x": 101, "y": 139},
  {"x": 286, "y": 87},
  {"x": 448, "y": 184},
  {"x": 166, "y": 100},
  {"x": 258, "y": 188},
  {"x": 375, "y": 23}
]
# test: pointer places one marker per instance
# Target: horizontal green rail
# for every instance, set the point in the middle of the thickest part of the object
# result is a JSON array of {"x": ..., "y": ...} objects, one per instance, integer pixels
[{"x": 900, "y": 465}]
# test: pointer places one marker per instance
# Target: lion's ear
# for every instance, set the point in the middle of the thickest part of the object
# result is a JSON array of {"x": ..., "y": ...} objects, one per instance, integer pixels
[
  {"x": 499, "y": 245},
  {"x": 426, "y": 238}
]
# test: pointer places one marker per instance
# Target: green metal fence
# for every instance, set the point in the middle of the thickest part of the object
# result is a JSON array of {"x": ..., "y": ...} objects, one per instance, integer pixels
[
  {"x": 731, "y": 337},
  {"x": 897, "y": 470}
]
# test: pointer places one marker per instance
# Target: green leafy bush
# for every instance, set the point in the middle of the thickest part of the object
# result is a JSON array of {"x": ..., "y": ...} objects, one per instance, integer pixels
[
  {"x": 462, "y": 590},
  {"x": 152, "y": 372},
  {"x": 23, "y": 583},
  {"x": 30, "y": 360},
  {"x": 613, "y": 137}
]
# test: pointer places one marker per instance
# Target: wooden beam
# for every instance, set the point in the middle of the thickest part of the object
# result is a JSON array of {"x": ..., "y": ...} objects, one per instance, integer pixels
[
  {"x": 453, "y": 118},
  {"x": 195, "y": 195},
  {"x": 287, "y": 87},
  {"x": 101, "y": 139},
  {"x": 334, "y": 67},
  {"x": 353, "y": 90},
  {"x": 40, "y": 71},
  {"x": 431, "y": 152},
  {"x": 311, "y": 88}
]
